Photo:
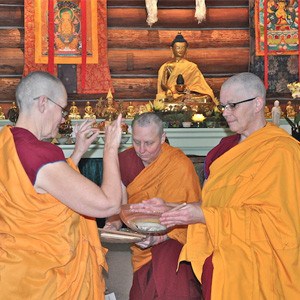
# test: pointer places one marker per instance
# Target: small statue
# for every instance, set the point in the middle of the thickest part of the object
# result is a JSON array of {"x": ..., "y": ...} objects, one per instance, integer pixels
[
  {"x": 142, "y": 109},
  {"x": 276, "y": 113},
  {"x": 89, "y": 114},
  {"x": 13, "y": 113},
  {"x": 268, "y": 114},
  {"x": 2, "y": 115},
  {"x": 99, "y": 107},
  {"x": 130, "y": 111},
  {"x": 290, "y": 112},
  {"x": 110, "y": 112},
  {"x": 121, "y": 109},
  {"x": 74, "y": 112}
]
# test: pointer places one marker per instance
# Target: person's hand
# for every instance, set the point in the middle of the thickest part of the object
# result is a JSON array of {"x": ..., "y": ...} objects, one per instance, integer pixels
[
  {"x": 153, "y": 204},
  {"x": 152, "y": 240},
  {"x": 115, "y": 225},
  {"x": 113, "y": 134},
  {"x": 191, "y": 213},
  {"x": 85, "y": 134}
]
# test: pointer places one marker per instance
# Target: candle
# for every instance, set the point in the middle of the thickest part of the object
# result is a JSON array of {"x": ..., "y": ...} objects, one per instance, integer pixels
[{"x": 198, "y": 118}]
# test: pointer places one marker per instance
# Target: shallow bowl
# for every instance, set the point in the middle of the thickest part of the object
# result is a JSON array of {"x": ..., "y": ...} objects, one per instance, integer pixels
[{"x": 146, "y": 222}]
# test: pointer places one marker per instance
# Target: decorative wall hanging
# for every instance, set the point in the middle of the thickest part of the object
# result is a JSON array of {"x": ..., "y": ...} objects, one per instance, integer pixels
[
  {"x": 279, "y": 20},
  {"x": 276, "y": 30},
  {"x": 151, "y": 7},
  {"x": 69, "y": 32},
  {"x": 74, "y": 26}
]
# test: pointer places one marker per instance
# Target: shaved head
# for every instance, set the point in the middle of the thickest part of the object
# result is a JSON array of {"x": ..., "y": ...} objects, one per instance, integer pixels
[
  {"x": 38, "y": 84},
  {"x": 246, "y": 85}
]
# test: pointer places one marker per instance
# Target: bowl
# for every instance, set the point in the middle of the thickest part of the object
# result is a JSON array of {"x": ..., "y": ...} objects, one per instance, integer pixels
[{"x": 143, "y": 222}]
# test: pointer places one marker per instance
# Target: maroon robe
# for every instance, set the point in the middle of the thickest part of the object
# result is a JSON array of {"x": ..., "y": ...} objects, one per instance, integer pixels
[{"x": 158, "y": 278}]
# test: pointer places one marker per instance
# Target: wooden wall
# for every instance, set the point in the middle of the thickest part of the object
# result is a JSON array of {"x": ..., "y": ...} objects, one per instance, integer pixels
[{"x": 220, "y": 45}]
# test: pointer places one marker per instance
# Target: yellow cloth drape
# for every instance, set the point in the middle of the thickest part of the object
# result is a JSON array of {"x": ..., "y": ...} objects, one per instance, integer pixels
[
  {"x": 172, "y": 177},
  {"x": 193, "y": 79},
  {"x": 47, "y": 251},
  {"x": 251, "y": 203}
]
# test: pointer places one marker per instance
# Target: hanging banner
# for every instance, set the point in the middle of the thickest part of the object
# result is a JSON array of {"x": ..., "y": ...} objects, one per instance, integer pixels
[
  {"x": 68, "y": 33},
  {"x": 278, "y": 22},
  {"x": 78, "y": 35}
]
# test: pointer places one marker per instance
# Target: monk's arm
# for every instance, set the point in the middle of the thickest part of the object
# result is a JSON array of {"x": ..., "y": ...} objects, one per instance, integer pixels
[
  {"x": 114, "y": 222},
  {"x": 79, "y": 193}
]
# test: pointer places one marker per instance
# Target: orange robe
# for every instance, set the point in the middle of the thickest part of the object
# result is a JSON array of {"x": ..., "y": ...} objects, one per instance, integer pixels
[
  {"x": 251, "y": 204},
  {"x": 47, "y": 251},
  {"x": 172, "y": 177}
]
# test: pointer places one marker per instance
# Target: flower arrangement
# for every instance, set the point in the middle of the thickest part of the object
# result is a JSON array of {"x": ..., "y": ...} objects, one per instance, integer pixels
[
  {"x": 295, "y": 124},
  {"x": 175, "y": 114},
  {"x": 65, "y": 128},
  {"x": 294, "y": 88}
]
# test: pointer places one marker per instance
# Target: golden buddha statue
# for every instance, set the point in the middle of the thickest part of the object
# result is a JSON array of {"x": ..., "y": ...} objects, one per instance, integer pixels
[
  {"x": 130, "y": 111},
  {"x": 180, "y": 76},
  {"x": 121, "y": 109},
  {"x": 290, "y": 111},
  {"x": 109, "y": 112},
  {"x": 268, "y": 114},
  {"x": 88, "y": 111},
  {"x": 74, "y": 112},
  {"x": 99, "y": 107},
  {"x": 2, "y": 115}
]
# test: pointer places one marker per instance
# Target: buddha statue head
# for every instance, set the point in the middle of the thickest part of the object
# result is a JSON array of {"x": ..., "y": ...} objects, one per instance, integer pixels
[{"x": 179, "y": 46}]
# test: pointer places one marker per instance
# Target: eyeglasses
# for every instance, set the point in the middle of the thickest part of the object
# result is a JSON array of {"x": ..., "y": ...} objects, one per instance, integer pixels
[
  {"x": 232, "y": 106},
  {"x": 64, "y": 113}
]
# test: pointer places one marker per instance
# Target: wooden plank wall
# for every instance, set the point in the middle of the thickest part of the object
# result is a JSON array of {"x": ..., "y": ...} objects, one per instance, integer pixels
[{"x": 220, "y": 45}]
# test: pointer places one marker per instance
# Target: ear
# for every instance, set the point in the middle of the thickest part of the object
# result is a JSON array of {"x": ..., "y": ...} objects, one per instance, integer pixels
[
  {"x": 259, "y": 104},
  {"x": 42, "y": 101},
  {"x": 163, "y": 138}
]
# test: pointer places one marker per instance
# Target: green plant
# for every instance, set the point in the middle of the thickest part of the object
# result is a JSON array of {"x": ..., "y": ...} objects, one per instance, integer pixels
[{"x": 187, "y": 115}]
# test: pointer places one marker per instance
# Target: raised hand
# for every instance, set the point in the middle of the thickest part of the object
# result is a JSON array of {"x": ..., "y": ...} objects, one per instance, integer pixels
[
  {"x": 113, "y": 134},
  {"x": 85, "y": 134}
]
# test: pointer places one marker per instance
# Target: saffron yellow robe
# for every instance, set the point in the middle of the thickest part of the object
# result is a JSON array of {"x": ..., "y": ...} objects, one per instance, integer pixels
[
  {"x": 251, "y": 204},
  {"x": 172, "y": 177},
  {"x": 193, "y": 79},
  {"x": 47, "y": 251}
]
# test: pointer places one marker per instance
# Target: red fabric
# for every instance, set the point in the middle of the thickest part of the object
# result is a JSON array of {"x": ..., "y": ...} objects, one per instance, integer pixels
[
  {"x": 266, "y": 59},
  {"x": 130, "y": 165},
  {"x": 83, "y": 39},
  {"x": 225, "y": 144},
  {"x": 33, "y": 153},
  {"x": 99, "y": 79},
  {"x": 159, "y": 280},
  {"x": 298, "y": 43},
  {"x": 50, "y": 36}
]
